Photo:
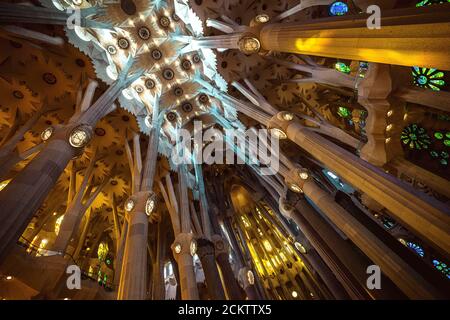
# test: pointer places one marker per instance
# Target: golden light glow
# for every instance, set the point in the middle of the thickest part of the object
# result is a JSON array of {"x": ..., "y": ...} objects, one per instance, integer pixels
[
  {"x": 267, "y": 245},
  {"x": 4, "y": 184}
]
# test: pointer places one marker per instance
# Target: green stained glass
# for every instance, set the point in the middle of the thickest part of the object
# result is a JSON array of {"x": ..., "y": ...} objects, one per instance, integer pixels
[
  {"x": 438, "y": 135},
  {"x": 444, "y": 162},
  {"x": 442, "y": 267},
  {"x": 444, "y": 154},
  {"x": 342, "y": 67},
  {"x": 423, "y": 3},
  {"x": 447, "y": 143},
  {"x": 447, "y": 134},
  {"x": 434, "y": 154},
  {"x": 344, "y": 112},
  {"x": 415, "y": 137},
  {"x": 428, "y": 78}
]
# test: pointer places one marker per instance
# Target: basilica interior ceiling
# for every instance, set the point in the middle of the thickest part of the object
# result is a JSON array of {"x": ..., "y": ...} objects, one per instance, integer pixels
[{"x": 94, "y": 95}]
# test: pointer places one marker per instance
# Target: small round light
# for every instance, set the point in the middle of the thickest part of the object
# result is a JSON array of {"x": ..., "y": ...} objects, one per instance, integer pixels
[
  {"x": 150, "y": 205},
  {"x": 171, "y": 116},
  {"x": 123, "y": 43},
  {"x": 164, "y": 21},
  {"x": 77, "y": 2},
  {"x": 193, "y": 247},
  {"x": 149, "y": 84},
  {"x": 196, "y": 58},
  {"x": 144, "y": 33},
  {"x": 186, "y": 65},
  {"x": 262, "y": 18},
  {"x": 79, "y": 137},
  {"x": 168, "y": 74},
  {"x": 178, "y": 91},
  {"x": 47, "y": 133},
  {"x": 390, "y": 112},
  {"x": 294, "y": 294},
  {"x": 295, "y": 188},
  {"x": 389, "y": 127},
  {"x": 287, "y": 116},
  {"x": 156, "y": 54},
  {"x": 250, "y": 277},
  {"x": 139, "y": 89},
  {"x": 303, "y": 174},
  {"x": 9, "y": 278},
  {"x": 177, "y": 248},
  {"x": 388, "y": 140},
  {"x": 278, "y": 133},
  {"x": 111, "y": 49},
  {"x": 187, "y": 107},
  {"x": 300, "y": 247},
  {"x": 249, "y": 45},
  {"x": 129, "y": 205}
]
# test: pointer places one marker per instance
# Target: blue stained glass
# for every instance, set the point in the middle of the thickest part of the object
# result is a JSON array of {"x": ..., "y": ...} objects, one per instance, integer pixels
[
  {"x": 338, "y": 8},
  {"x": 418, "y": 249},
  {"x": 442, "y": 267}
]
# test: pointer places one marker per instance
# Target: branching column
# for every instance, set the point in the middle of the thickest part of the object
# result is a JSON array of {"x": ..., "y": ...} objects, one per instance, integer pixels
[
  {"x": 140, "y": 207},
  {"x": 35, "y": 181}
]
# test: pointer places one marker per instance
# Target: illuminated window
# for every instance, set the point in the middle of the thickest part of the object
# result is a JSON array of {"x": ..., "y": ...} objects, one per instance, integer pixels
[
  {"x": 428, "y": 78},
  {"x": 429, "y": 2},
  {"x": 102, "y": 251},
  {"x": 415, "y": 137},
  {"x": 342, "y": 67},
  {"x": 442, "y": 267},
  {"x": 338, "y": 8},
  {"x": 58, "y": 224}
]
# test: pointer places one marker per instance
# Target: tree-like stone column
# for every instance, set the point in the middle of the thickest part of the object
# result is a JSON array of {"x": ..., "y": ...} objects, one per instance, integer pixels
[
  {"x": 221, "y": 249},
  {"x": 205, "y": 252},
  {"x": 183, "y": 250}
]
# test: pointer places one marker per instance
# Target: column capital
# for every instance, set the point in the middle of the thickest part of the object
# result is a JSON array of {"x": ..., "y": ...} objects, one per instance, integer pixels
[
  {"x": 220, "y": 246},
  {"x": 142, "y": 201},
  {"x": 246, "y": 277},
  {"x": 184, "y": 244},
  {"x": 204, "y": 248}
]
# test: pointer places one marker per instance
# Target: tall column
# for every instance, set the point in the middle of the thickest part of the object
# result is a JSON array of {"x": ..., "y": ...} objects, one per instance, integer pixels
[
  {"x": 63, "y": 143},
  {"x": 347, "y": 265},
  {"x": 247, "y": 279},
  {"x": 183, "y": 250},
  {"x": 141, "y": 209},
  {"x": 133, "y": 278},
  {"x": 407, "y": 205},
  {"x": 409, "y": 37},
  {"x": 25, "y": 193},
  {"x": 433, "y": 181},
  {"x": 16, "y": 13},
  {"x": 205, "y": 252},
  {"x": 231, "y": 285},
  {"x": 392, "y": 265}
]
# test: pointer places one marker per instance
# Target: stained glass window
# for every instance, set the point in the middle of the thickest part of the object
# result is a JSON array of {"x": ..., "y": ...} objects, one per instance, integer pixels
[
  {"x": 428, "y": 2},
  {"x": 342, "y": 67},
  {"x": 418, "y": 249},
  {"x": 343, "y": 112},
  {"x": 415, "y": 137},
  {"x": 338, "y": 8},
  {"x": 102, "y": 251},
  {"x": 58, "y": 224},
  {"x": 442, "y": 267},
  {"x": 428, "y": 78}
]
